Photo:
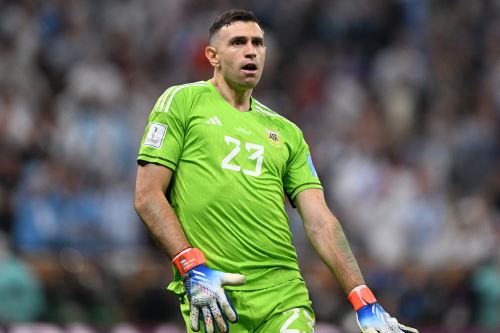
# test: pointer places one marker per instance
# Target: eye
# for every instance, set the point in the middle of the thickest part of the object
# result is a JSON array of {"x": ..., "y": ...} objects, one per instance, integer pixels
[
  {"x": 258, "y": 42},
  {"x": 238, "y": 42}
]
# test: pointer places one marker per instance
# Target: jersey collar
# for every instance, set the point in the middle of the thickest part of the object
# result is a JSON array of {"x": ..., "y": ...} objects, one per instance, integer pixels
[{"x": 214, "y": 90}]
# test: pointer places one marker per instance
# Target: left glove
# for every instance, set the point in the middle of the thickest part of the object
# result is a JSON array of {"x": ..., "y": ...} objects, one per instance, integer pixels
[
  {"x": 371, "y": 317},
  {"x": 204, "y": 290}
]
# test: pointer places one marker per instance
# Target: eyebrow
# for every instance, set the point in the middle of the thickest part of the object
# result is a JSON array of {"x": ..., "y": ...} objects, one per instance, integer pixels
[{"x": 254, "y": 39}]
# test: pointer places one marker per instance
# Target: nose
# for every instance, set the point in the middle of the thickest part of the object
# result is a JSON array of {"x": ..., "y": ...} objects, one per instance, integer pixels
[{"x": 250, "y": 51}]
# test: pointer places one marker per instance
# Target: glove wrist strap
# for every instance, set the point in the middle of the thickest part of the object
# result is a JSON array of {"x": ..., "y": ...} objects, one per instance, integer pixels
[
  {"x": 361, "y": 296},
  {"x": 187, "y": 259}
]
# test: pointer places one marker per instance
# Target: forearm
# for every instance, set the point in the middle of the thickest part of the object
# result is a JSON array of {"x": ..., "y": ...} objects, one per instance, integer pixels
[
  {"x": 162, "y": 222},
  {"x": 326, "y": 235},
  {"x": 329, "y": 241}
]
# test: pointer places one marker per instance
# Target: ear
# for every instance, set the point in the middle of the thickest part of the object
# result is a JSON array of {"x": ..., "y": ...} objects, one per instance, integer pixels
[{"x": 211, "y": 54}]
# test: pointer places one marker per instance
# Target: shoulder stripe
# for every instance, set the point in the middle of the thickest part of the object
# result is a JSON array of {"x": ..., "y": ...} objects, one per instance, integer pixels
[
  {"x": 196, "y": 84},
  {"x": 260, "y": 104},
  {"x": 261, "y": 108},
  {"x": 164, "y": 97},
  {"x": 170, "y": 93},
  {"x": 266, "y": 112}
]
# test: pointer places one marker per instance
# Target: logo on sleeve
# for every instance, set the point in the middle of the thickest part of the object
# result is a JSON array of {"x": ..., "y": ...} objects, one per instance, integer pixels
[
  {"x": 311, "y": 166},
  {"x": 155, "y": 136}
]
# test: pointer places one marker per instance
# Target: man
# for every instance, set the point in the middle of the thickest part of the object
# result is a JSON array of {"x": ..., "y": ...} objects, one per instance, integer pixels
[{"x": 225, "y": 162}]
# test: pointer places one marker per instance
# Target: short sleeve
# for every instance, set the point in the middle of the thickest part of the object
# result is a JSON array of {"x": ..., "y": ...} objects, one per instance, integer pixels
[
  {"x": 163, "y": 137},
  {"x": 300, "y": 173}
]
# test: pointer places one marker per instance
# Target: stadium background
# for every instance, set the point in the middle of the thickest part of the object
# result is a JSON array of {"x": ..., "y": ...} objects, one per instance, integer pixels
[{"x": 399, "y": 101}]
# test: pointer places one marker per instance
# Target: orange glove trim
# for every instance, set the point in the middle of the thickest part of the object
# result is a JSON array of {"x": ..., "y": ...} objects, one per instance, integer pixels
[
  {"x": 361, "y": 296},
  {"x": 187, "y": 259}
]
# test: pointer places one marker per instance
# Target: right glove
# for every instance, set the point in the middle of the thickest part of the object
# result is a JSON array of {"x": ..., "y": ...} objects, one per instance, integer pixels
[
  {"x": 371, "y": 317},
  {"x": 204, "y": 290}
]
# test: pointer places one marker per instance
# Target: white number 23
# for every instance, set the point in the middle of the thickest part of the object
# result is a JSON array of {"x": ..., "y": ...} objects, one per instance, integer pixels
[{"x": 256, "y": 153}]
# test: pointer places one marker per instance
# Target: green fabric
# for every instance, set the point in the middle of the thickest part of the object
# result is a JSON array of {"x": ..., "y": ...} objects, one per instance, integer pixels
[
  {"x": 281, "y": 308},
  {"x": 232, "y": 170}
]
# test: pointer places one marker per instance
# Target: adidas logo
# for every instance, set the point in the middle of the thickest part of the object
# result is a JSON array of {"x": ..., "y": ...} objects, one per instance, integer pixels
[{"x": 213, "y": 121}]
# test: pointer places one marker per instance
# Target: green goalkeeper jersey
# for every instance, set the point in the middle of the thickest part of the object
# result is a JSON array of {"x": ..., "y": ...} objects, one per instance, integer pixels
[{"x": 232, "y": 170}]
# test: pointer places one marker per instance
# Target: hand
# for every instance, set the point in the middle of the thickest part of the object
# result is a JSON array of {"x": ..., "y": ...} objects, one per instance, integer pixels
[
  {"x": 204, "y": 290},
  {"x": 372, "y": 318}
]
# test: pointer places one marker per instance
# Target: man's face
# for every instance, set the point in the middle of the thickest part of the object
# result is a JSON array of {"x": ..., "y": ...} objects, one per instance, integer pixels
[{"x": 241, "y": 54}]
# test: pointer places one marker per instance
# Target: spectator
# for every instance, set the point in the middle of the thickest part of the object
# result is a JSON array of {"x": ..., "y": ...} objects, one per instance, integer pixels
[{"x": 20, "y": 292}]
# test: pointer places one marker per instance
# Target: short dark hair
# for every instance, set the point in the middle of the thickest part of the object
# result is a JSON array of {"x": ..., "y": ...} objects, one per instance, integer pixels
[{"x": 230, "y": 16}]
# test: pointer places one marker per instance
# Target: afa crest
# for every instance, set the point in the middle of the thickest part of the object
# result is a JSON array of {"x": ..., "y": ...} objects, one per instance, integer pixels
[{"x": 273, "y": 136}]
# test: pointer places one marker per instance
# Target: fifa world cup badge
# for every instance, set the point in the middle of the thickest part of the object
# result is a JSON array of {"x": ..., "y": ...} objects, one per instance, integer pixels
[{"x": 155, "y": 135}]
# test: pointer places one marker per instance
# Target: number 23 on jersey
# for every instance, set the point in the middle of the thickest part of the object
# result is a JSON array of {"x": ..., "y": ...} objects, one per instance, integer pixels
[{"x": 253, "y": 151}]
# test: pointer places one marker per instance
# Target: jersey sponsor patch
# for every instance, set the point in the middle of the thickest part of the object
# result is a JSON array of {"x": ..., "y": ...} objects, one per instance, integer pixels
[
  {"x": 155, "y": 136},
  {"x": 311, "y": 166}
]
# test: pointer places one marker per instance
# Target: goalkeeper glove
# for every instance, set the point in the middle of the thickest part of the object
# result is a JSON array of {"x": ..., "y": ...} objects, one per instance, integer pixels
[
  {"x": 371, "y": 317},
  {"x": 204, "y": 290}
]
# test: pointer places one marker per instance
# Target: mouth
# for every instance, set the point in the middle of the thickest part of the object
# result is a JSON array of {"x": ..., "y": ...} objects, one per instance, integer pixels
[{"x": 249, "y": 68}]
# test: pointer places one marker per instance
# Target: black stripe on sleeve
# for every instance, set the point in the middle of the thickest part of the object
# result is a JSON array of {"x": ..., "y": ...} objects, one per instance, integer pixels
[
  {"x": 291, "y": 194},
  {"x": 155, "y": 158}
]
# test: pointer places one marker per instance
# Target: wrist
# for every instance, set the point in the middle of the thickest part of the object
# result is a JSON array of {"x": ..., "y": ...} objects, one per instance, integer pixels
[
  {"x": 361, "y": 296},
  {"x": 188, "y": 259}
]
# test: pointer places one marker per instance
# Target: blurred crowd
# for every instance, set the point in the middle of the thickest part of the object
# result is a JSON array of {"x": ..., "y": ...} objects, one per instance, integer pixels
[{"x": 399, "y": 101}]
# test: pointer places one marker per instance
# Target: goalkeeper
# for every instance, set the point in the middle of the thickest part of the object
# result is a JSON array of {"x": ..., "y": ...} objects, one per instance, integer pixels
[{"x": 214, "y": 167}]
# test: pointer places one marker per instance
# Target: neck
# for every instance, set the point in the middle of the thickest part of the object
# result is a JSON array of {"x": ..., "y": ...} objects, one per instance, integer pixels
[{"x": 238, "y": 98}]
